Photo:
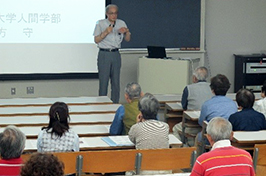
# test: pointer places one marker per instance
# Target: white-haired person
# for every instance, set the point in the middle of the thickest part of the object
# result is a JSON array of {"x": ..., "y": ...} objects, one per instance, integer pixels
[
  {"x": 126, "y": 114},
  {"x": 223, "y": 159},
  {"x": 193, "y": 97},
  {"x": 108, "y": 35},
  {"x": 12, "y": 143},
  {"x": 148, "y": 132}
]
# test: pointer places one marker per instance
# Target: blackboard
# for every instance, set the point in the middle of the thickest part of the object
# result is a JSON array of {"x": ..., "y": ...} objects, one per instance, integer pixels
[{"x": 169, "y": 23}]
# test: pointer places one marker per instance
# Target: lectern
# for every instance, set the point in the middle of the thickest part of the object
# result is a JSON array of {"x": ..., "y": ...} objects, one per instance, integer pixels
[{"x": 164, "y": 76}]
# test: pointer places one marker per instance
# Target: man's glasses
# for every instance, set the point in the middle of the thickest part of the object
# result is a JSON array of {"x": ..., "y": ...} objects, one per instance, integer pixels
[{"x": 112, "y": 13}]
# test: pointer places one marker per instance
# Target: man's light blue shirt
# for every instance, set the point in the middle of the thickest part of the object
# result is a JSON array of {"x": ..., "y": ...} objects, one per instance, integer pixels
[{"x": 217, "y": 106}]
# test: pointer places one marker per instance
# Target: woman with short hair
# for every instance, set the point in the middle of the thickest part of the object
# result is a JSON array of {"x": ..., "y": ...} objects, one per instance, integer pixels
[{"x": 148, "y": 132}]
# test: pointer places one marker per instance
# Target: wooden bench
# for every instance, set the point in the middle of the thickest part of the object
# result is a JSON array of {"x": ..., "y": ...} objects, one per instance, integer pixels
[{"x": 126, "y": 160}]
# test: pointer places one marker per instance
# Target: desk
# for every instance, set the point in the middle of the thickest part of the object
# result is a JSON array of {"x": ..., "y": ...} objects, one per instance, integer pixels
[
  {"x": 189, "y": 120},
  {"x": 173, "y": 114},
  {"x": 49, "y": 101},
  {"x": 233, "y": 96},
  {"x": 81, "y": 130},
  {"x": 247, "y": 139},
  {"x": 44, "y": 120},
  {"x": 167, "y": 98},
  {"x": 96, "y": 143},
  {"x": 191, "y": 115},
  {"x": 44, "y": 110}
]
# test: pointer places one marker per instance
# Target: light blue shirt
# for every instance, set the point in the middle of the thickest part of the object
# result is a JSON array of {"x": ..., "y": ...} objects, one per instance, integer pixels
[
  {"x": 112, "y": 40},
  {"x": 217, "y": 106}
]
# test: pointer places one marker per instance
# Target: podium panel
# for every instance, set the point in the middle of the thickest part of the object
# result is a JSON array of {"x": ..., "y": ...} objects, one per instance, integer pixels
[{"x": 163, "y": 76}]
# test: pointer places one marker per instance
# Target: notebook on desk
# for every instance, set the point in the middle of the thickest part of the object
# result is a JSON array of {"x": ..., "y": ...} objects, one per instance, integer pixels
[
  {"x": 157, "y": 52},
  {"x": 117, "y": 141}
]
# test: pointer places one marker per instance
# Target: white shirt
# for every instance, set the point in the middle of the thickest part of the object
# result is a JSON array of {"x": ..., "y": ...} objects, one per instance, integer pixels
[
  {"x": 47, "y": 142},
  {"x": 221, "y": 143},
  {"x": 260, "y": 106},
  {"x": 112, "y": 40}
]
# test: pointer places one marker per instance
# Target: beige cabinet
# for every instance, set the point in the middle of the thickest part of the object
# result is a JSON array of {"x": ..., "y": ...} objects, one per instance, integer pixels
[{"x": 163, "y": 76}]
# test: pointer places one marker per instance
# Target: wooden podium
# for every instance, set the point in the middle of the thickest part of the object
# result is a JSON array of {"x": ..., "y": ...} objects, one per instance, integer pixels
[{"x": 163, "y": 76}]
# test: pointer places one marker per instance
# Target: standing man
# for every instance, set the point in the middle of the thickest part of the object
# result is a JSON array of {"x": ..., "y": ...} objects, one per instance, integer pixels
[{"x": 109, "y": 34}]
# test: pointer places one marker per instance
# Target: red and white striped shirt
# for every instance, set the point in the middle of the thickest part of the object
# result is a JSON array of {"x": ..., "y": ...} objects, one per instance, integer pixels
[
  {"x": 222, "y": 160},
  {"x": 10, "y": 167}
]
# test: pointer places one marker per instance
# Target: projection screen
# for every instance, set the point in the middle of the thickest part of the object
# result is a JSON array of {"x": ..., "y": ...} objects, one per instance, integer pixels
[{"x": 42, "y": 37}]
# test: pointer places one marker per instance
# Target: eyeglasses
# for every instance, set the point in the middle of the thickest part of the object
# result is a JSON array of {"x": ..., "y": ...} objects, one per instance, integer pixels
[{"x": 113, "y": 13}]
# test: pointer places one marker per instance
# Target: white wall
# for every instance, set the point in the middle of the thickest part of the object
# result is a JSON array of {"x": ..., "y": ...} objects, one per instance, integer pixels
[{"x": 232, "y": 26}]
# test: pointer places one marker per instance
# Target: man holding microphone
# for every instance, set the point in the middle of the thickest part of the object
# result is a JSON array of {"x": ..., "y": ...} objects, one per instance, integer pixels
[{"x": 108, "y": 34}]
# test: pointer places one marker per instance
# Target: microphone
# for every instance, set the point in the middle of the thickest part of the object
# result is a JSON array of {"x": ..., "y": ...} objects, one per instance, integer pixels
[{"x": 113, "y": 25}]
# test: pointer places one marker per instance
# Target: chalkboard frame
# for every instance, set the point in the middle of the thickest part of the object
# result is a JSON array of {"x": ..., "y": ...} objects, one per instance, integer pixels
[{"x": 153, "y": 16}]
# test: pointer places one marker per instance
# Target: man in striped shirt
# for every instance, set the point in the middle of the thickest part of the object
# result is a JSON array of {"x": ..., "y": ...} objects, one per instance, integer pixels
[{"x": 223, "y": 159}]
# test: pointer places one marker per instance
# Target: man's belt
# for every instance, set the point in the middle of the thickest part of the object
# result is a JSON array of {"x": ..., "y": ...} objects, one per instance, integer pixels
[{"x": 109, "y": 50}]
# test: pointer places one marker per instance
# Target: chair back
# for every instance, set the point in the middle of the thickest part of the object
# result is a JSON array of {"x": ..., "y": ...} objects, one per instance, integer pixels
[
  {"x": 108, "y": 161},
  {"x": 166, "y": 159},
  {"x": 259, "y": 159}
]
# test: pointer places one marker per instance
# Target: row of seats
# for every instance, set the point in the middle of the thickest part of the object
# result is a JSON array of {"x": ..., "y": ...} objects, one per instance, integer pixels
[{"x": 110, "y": 161}]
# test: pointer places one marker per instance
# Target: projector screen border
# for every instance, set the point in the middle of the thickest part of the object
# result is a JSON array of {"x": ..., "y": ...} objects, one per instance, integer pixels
[{"x": 47, "y": 76}]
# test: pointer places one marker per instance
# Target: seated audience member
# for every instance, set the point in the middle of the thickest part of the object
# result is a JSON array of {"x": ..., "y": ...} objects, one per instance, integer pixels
[
  {"x": 12, "y": 143},
  {"x": 247, "y": 119},
  {"x": 223, "y": 159},
  {"x": 57, "y": 137},
  {"x": 148, "y": 132},
  {"x": 260, "y": 105},
  {"x": 194, "y": 95},
  {"x": 218, "y": 106},
  {"x": 126, "y": 114},
  {"x": 43, "y": 164}
]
